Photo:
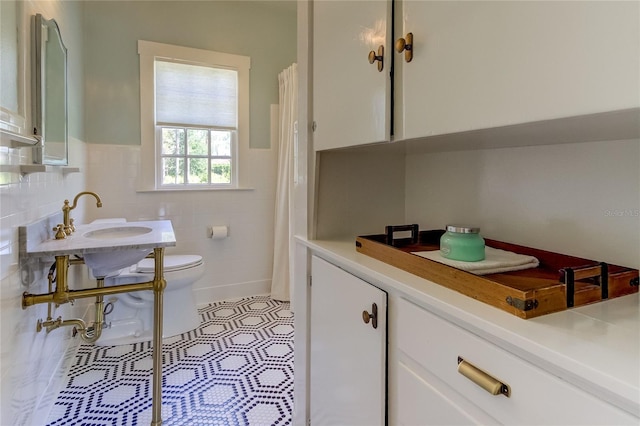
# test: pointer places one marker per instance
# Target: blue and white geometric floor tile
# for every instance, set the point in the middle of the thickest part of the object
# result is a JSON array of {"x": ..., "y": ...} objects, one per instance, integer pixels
[{"x": 235, "y": 369}]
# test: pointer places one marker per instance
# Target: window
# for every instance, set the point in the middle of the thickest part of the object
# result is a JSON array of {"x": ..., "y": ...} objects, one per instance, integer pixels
[
  {"x": 191, "y": 156},
  {"x": 194, "y": 117}
]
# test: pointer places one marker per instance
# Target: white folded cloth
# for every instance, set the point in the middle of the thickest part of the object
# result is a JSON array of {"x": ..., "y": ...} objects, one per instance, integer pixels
[{"x": 495, "y": 261}]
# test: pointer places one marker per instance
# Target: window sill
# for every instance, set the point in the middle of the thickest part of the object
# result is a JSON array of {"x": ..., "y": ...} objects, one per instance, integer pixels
[{"x": 193, "y": 189}]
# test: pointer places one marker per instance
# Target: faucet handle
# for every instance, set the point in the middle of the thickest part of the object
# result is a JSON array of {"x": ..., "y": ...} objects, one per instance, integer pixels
[
  {"x": 73, "y": 228},
  {"x": 60, "y": 233}
]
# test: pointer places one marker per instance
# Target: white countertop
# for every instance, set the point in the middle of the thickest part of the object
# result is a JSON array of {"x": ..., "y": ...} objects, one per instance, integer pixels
[
  {"x": 161, "y": 235},
  {"x": 595, "y": 347}
]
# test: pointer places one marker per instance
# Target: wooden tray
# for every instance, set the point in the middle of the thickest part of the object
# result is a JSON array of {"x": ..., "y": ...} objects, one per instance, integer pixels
[{"x": 560, "y": 282}]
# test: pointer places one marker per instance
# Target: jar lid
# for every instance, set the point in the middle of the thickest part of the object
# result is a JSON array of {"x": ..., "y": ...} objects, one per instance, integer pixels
[{"x": 462, "y": 229}]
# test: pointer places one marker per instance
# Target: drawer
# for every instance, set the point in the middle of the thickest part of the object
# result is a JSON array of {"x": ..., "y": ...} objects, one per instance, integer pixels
[
  {"x": 424, "y": 402},
  {"x": 536, "y": 396}
]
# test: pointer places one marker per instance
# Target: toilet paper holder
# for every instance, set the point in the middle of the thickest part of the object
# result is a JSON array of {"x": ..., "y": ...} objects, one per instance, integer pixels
[{"x": 218, "y": 232}]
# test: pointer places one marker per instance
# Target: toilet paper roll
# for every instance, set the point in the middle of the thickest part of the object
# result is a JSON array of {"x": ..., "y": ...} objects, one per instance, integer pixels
[{"x": 219, "y": 232}]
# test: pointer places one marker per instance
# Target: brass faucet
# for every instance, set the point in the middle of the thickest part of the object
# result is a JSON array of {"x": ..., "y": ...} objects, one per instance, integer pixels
[{"x": 68, "y": 228}]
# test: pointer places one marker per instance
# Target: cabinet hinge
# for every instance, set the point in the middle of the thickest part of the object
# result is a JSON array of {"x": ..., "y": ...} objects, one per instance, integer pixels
[
  {"x": 314, "y": 126},
  {"x": 309, "y": 280},
  {"x": 308, "y": 422}
]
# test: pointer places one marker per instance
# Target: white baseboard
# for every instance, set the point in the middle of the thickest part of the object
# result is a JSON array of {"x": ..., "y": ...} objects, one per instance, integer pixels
[{"x": 208, "y": 295}]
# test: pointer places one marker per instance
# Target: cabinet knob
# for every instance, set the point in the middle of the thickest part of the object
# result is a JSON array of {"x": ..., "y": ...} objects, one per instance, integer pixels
[
  {"x": 406, "y": 44},
  {"x": 379, "y": 57},
  {"x": 373, "y": 316}
]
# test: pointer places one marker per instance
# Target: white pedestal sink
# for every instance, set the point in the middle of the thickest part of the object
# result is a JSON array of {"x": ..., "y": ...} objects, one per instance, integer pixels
[
  {"x": 104, "y": 263},
  {"x": 106, "y": 247}
]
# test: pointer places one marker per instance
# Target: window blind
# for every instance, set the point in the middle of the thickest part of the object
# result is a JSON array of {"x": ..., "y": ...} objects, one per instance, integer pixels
[{"x": 196, "y": 95}]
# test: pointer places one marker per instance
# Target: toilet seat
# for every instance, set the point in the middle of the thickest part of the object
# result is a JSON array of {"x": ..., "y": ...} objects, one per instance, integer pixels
[{"x": 171, "y": 263}]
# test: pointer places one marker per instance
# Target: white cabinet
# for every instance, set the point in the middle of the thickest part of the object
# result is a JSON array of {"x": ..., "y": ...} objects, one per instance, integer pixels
[
  {"x": 348, "y": 356},
  {"x": 429, "y": 352},
  {"x": 483, "y": 64},
  {"x": 476, "y": 65},
  {"x": 351, "y": 98}
]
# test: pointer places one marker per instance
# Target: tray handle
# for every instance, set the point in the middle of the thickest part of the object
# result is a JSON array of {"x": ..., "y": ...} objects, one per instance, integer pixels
[
  {"x": 600, "y": 273},
  {"x": 390, "y": 230}
]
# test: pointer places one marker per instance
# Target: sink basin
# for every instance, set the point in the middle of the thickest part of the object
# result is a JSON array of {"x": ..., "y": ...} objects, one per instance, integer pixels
[
  {"x": 117, "y": 232},
  {"x": 104, "y": 263}
]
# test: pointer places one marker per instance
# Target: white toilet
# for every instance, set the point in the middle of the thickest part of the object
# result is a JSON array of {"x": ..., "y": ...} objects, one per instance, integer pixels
[{"x": 129, "y": 316}]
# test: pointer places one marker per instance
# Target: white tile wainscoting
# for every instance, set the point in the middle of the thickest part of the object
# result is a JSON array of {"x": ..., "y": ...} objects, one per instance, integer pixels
[
  {"x": 29, "y": 360},
  {"x": 238, "y": 266}
]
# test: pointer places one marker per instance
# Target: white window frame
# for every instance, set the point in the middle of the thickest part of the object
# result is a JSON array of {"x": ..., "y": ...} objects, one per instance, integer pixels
[{"x": 149, "y": 178}]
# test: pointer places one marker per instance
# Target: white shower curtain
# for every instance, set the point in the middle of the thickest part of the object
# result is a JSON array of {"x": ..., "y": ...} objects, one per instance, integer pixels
[{"x": 288, "y": 99}]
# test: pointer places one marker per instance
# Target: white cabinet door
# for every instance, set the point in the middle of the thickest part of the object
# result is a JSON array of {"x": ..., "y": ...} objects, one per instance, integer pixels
[
  {"x": 482, "y": 64},
  {"x": 351, "y": 102},
  {"x": 348, "y": 356}
]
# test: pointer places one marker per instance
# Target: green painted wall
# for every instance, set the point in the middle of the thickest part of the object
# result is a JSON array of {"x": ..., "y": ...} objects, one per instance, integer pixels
[{"x": 262, "y": 30}]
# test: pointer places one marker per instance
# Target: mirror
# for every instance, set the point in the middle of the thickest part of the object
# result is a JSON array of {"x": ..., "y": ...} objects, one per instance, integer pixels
[{"x": 49, "y": 92}]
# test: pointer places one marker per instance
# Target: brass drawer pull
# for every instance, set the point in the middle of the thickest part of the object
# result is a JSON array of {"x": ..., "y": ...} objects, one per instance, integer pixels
[{"x": 482, "y": 379}]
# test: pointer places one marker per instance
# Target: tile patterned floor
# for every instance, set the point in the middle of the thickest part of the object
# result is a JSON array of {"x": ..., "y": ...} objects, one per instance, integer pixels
[{"x": 235, "y": 369}]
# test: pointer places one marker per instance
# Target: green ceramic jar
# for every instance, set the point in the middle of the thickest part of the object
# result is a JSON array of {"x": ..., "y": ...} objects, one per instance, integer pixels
[{"x": 462, "y": 243}]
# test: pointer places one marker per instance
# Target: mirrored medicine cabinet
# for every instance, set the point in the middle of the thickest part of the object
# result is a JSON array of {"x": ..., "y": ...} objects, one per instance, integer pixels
[{"x": 49, "y": 92}]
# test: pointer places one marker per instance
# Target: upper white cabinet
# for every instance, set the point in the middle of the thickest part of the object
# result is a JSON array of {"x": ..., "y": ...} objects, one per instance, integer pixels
[
  {"x": 351, "y": 98},
  {"x": 476, "y": 65},
  {"x": 482, "y": 64}
]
